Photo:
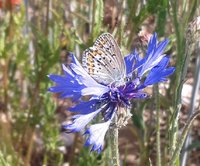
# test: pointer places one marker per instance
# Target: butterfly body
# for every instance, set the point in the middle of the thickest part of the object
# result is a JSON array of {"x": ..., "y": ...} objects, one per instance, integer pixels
[{"x": 104, "y": 61}]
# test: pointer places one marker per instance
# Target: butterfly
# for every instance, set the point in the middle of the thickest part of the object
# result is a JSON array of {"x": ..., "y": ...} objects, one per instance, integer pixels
[{"x": 104, "y": 61}]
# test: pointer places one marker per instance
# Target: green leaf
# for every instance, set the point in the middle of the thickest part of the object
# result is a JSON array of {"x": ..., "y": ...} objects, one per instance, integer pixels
[
  {"x": 161, "y": 20},
  {"x": 2, "y": 42},
  {"x": 98, "y": 17}
]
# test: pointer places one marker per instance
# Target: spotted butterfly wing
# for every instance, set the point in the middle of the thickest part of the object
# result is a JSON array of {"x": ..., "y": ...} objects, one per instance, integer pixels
[{"x": 104, "y": 61}]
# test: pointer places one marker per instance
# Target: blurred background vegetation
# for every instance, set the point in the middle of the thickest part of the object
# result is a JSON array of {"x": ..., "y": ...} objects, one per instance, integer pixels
[{"x": 35, "y": 38}]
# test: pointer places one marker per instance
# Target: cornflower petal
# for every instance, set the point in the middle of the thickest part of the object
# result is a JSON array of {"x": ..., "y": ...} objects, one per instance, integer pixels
[
  {"x": 76, "y": 82},
  {"x": 58, "y": 79},
  {"x": 85, "y": 107},
  {"x": 129, "y": 61},
  {"x": 153, "y": 56},
  {"x": 159, "y": 72},
  {"x": 137, "y": 95},
  {"x": 96, "y": 135},
  {"x": 80, "y": 121},
  {"x": 66, "y": 86}
]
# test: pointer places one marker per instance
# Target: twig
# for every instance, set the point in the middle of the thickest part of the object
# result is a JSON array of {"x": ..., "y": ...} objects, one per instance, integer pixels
[{"x": 182, "y": 138}]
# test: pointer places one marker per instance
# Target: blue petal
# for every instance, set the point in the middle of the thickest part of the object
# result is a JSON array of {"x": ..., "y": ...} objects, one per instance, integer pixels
[
  {"x": 129, "y": 61},
  {"x": 58, "y": 79},
  {"x": 80, "y": 121},
  {"x": 151, "y": 44},
  {"x": 159, "y": 72},
  {"x": 85, "y": 107},
  {"x": 155, "y": 77},
  {"x": 67, "y": 72},
  {"x": 67, "y": 90},
  {"x": 58, "y": 88},
  {"x": 74, "y": 60},
  {"x": 65, "y": 95},
  {"x": 108, "y": 112},
  {"x": 96, "y": 135},
  {"x": 153, "y": 56},
  {"x": 66, "y": 85},
  {"x": 76, "y": 82},
  {"x": 137, "y": 95}
]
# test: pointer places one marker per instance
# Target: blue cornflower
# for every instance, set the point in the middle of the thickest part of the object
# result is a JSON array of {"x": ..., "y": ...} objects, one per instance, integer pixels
[{"x": 109, "y": 99}]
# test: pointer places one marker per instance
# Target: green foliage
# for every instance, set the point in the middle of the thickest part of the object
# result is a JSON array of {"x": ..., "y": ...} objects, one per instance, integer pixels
[
  {"x": 88, "y": 158},
  {"x": 98, "y": 10}
]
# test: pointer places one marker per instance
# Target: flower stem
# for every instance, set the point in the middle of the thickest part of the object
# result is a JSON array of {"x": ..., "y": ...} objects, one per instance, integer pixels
[
  {"x": 114, "y": 144},
  {"x": 157, "y": 103},
  {"x": 182, "y": 138}
]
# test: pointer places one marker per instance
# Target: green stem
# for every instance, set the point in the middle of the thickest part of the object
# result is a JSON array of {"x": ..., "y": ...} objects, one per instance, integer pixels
[
  {"x": 182, "y": 138},
  {"x": 47, "y": 19},
  {"x": 181, "y": 69},
  {"x": 157, "y": 102},
  {"x": 114, "y": 144},
  {"x": 93, "y": 17}
]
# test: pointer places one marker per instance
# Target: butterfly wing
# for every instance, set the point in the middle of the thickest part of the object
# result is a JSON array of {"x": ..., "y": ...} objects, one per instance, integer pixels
[{"x": 104, "y": 61}]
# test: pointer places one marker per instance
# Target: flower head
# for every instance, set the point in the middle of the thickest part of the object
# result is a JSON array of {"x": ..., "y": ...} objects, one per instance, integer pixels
[{"x": 113, "y": 99}]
